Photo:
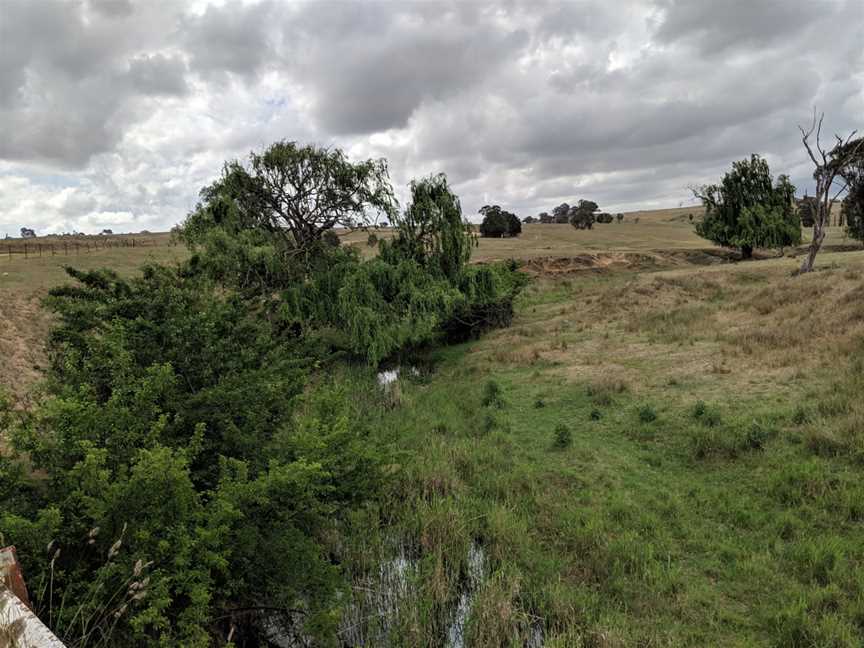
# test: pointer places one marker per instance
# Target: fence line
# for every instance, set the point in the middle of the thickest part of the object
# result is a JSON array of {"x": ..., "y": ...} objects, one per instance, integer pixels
[{"x": 74, "y": 248}]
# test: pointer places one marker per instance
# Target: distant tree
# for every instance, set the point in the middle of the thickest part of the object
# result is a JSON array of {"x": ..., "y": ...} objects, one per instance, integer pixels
[
  {"x": 587, "y": 206},
  {"x": 853, "y": 203},
  {"x": 620, "y": 217},
  {"x": 529, "y": 219},
  {"x": 748, "y": 210},
  {"x": 107, "y": 232},
  {"x": 28, "y": 233},
  {"x": 807, "y": 209},
  {"x": 561, "y": 214},
  {"x": 582, "y": 215},
  {"x": 545, "y": 217},
  {"x": 605, "y": 217},
  {"x": 499, "y": 222},
  {"x": 830, "y": 166}
]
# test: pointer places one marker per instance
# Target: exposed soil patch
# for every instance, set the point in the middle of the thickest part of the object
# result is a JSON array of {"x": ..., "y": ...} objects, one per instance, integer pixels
[{"x": 607, "y": 261}]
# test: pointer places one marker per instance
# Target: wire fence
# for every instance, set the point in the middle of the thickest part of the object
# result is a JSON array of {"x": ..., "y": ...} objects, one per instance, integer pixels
[{"x": 36, "y": 249}]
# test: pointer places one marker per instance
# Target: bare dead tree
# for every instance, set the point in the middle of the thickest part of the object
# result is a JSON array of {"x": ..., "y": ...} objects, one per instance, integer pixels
[{"x": 829, "y": 175}]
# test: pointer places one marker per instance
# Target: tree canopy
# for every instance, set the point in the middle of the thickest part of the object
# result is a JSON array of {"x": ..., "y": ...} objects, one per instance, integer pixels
[
  {"x": 748, "y": 210},
  {"x": 499, "y": 222},
  {"x": 432, "y": 230},
  {"x": 582, "y": 215},
  {"x": 853, "y": 202},
  {"x": 281, "y": 204}
]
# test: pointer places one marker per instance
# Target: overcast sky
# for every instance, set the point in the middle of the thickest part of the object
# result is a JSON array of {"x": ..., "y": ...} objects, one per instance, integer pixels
[{"x": 114, "y": 113}]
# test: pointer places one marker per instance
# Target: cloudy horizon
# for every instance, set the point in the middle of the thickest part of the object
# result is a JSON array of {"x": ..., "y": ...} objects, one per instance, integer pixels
[{"x": 114, "y": 113}]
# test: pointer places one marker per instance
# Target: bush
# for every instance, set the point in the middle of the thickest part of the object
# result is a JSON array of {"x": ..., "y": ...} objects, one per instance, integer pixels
[
  {"x": 756, "y": 436},
  {"x": 563, "y": 436},
  {"x": 372, "y": 240},
  {"x": 647, "y": 413},
  {"x": 707, "y": 416}
]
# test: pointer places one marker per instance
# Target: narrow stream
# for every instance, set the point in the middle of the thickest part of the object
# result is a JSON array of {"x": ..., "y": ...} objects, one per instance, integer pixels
[{"x": 378, "y": 599}]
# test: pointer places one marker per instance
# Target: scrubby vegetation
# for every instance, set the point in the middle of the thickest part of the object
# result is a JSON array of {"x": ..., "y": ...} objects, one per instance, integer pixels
[{"x": 193, "y": 460}]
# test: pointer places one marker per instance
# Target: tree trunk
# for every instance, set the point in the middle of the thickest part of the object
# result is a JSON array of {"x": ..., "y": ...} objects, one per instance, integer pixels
[
  {"x": 746, "y": 252},
  {"x": 815, "y": 245}
]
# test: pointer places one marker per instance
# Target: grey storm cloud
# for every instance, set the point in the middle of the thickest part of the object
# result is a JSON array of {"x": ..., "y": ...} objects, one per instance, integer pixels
[
  {"x": 116, "y": 112},
  {"x": 229, "y": 39},
  {"x": 717, "y": 27}
]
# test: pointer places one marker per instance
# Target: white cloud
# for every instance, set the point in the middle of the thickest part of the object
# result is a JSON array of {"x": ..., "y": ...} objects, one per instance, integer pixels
[{"x": 115, "y": 112}]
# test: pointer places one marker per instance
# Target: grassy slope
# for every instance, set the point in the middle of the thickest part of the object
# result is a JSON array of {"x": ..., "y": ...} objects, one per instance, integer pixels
[
  {"x": 741, "y": 526},
  {"x": 23, "y": 284},
  {"x": 734, "y": 522}
]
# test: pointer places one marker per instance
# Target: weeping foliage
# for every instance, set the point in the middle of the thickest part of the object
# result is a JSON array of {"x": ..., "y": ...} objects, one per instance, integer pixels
[
  {"x": 747, "y": 210},
  {"x": 418, "y": 290},
  {"x": 265, "y": 223},
  {"x": 432, "y": 231}
]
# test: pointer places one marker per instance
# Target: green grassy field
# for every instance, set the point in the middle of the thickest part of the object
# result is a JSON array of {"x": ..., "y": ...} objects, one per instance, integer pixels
[
  {"x": 655, "y": 453},
  {"x": 711, "y": 494}
]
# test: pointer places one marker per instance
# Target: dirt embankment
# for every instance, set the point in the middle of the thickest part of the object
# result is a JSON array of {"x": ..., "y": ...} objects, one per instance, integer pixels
[
  {"x": 639, "y": 261},
  {"x": 552, "y": 266}
]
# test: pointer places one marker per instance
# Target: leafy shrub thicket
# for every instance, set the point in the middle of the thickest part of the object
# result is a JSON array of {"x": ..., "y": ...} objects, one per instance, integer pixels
[
  {"x": 176, "y": 424},
  {"x": 748, "y": 210},
  {"x": 189, "y": 425}
]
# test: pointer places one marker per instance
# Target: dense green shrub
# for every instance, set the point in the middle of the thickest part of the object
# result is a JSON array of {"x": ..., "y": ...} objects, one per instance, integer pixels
[
  {"x": 179, "y": 429},
  {"x": 563, "y": 436},
  {"x": 647, "y": 413}
]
